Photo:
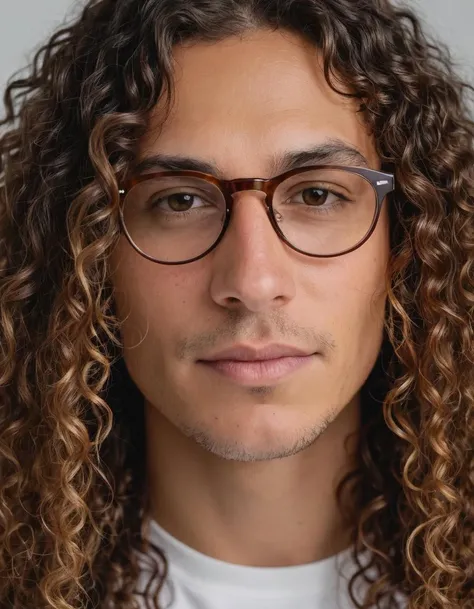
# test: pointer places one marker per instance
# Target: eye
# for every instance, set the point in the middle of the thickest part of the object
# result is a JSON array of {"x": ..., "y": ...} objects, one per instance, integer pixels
[
  {"x": 315, "y": 196},
  {"x": 178, "y": 202}
]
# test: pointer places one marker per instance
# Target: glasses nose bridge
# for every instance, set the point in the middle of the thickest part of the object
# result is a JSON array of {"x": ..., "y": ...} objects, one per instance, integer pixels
[{"x": 244, "y": 184}]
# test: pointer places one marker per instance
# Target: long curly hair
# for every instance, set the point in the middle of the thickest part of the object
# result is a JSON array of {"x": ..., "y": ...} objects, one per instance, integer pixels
[{"x": 73, "y": 501}]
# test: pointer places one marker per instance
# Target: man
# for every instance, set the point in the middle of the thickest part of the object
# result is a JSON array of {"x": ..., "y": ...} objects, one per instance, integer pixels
[{"x": 236, "y": 291}]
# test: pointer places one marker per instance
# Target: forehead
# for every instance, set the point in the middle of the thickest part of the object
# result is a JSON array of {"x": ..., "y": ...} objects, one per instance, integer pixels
[{"x": 243, "y": 99}]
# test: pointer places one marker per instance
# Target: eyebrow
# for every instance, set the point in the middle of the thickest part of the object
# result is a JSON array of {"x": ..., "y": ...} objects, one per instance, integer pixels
[{"x": 330, "y": 152}]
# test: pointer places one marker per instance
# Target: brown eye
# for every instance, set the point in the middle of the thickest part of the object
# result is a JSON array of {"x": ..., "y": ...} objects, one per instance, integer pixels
[
  {"x": 314, "y": 196},
  {"x": 180, "y": 201},
  {"x": 176, "y": 202}
]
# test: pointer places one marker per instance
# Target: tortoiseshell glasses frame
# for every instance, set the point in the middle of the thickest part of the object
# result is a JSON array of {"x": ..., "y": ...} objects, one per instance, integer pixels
[{"x": 382, "y": 183}]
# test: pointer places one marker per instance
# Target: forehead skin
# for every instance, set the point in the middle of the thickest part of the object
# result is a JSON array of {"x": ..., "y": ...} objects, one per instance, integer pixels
[{"x": 238, "y": 117}]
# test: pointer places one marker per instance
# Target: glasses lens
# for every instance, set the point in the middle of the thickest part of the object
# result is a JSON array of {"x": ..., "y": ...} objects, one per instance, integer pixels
[
  {"x": 325, "y": 211},
  {"x": 173, "y": 219}
]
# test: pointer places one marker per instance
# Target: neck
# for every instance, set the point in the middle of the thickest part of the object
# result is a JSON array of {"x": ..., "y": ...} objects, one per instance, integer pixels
[{"x": 268, "y": 513}]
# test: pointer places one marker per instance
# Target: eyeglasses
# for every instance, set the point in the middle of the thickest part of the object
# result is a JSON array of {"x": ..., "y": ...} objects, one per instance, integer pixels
[{"x": 177, "y": 217}]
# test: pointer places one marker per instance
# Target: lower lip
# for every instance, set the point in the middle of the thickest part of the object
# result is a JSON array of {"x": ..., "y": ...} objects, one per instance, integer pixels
[{"x": 258, "y": 371}]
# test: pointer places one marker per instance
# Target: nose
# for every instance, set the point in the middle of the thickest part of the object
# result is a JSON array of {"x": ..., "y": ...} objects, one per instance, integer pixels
[{"x": 252, "y": 267}]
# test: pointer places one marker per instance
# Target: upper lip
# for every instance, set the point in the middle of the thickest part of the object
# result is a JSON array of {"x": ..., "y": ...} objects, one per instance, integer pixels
[{"x": 248, "y": 353}]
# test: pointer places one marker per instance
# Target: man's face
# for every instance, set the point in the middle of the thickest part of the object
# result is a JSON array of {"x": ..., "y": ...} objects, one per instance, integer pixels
[{"x": 239, "y": 104}]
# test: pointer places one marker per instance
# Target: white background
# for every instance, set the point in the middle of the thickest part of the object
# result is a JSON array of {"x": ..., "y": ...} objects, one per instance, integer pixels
[{"x": 24, "y": 24}]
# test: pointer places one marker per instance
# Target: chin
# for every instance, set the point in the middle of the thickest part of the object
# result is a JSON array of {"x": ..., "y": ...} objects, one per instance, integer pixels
[{"x": 259, "y": 438}]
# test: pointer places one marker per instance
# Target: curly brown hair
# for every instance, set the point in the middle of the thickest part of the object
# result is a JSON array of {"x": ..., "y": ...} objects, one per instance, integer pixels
[{"x": 73, "y": 502}]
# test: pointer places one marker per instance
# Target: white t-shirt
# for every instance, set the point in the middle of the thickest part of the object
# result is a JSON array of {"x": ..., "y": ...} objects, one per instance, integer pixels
[{"x": 197, "y": 581}]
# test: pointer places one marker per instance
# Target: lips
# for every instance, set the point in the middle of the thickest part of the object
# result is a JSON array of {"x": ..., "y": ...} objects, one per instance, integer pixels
[
  {"x": 251, "y": 353},
  {"x": 252, "y": 365},
  {"x": 258, "y": 372}
]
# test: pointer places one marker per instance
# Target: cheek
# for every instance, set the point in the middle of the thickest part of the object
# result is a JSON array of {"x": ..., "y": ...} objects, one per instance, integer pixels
[
  {"x": 353, "y": 290},
  {"x": 152, "y": 299},
  {"x": 354, "y": 308}
]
